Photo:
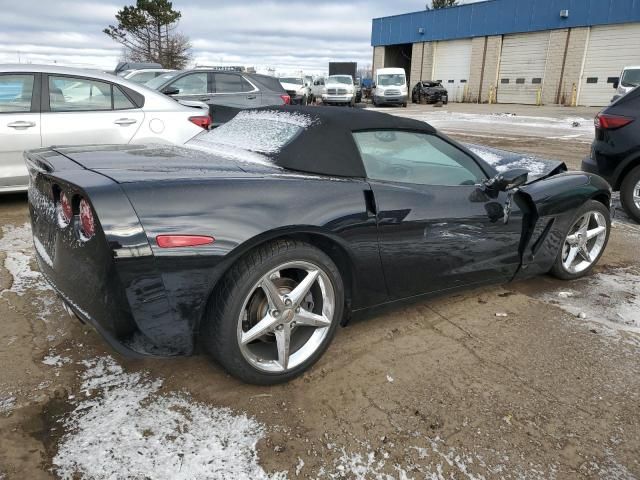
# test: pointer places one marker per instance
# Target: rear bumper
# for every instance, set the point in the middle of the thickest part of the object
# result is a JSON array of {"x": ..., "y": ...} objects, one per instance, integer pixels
[
  {"x": 590, "y": 165},
  {"x": 77, "y": 312}
]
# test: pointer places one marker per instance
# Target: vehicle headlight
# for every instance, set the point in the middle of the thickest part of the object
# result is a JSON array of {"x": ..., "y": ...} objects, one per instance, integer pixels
[{"x": 324, "y": 89}]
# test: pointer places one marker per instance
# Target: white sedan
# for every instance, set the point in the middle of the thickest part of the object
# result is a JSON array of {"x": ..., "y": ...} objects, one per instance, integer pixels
[{"x": 43, "y": 105}]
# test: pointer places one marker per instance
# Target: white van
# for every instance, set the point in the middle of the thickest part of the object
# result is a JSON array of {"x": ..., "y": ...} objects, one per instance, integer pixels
[
  {"x": 629, "y": 79},
  {"x": 390, "y": 87}
]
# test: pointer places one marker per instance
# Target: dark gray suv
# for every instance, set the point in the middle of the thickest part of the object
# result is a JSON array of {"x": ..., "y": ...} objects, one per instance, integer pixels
[{"x": 226, "y": 92}]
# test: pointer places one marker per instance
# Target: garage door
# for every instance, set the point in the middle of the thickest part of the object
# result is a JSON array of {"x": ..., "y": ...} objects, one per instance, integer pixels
[
  {"x": 522, "y": 67},
  {"x": 610, "y": 49},
  {"x": 451, "y": 66}
]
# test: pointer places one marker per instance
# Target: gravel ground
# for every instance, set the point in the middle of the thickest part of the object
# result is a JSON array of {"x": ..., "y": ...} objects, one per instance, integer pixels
[{"x": 438, "y": 389}]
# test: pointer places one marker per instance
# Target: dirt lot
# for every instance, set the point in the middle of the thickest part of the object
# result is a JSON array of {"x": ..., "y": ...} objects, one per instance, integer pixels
[{"x": 441, "y": 389}]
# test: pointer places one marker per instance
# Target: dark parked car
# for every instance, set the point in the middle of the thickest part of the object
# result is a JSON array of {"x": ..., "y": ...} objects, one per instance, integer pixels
[
  {"x": 226, "y": 92},
  {"x": 429, "y": 92},
  {"x": 275, "y": 228},
  {"x": 615, "y": 153}
]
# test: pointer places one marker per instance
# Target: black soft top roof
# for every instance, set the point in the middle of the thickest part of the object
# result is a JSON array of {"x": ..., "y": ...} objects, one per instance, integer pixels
[{"x": 327, "y": 146}]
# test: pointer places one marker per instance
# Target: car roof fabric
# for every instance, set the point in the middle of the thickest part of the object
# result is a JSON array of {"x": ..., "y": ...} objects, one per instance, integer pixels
[{"x": 327, "y": 147}]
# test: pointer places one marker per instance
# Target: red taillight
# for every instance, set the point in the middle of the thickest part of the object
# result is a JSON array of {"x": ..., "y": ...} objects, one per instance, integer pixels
[
  {"x": 286, "y": 99},
  {"x": 65, "y": 212},
  {"x": 203, "y": 121},
  {"x": 87, "y": 223},
  {"x": 172, "y": 241},
  {"x": 611, "y": 122}
]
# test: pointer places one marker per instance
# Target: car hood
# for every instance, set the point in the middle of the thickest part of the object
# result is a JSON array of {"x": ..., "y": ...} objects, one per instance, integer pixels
[
  {"x": 338, "y": 85},
  {"x": 503, "y": 160}
]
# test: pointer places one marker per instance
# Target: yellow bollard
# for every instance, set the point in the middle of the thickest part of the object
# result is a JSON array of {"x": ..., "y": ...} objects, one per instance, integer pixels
[
  {"x": 574, "y": 95},
  {"x": 539, "y": 96}
]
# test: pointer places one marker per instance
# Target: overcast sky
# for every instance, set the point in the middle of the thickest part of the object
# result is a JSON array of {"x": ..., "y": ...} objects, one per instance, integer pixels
[{"x": 286, "y": 35}]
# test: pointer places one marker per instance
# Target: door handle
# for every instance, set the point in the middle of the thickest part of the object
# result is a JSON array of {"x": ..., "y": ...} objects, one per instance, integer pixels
[
  {"x": 125, "y": 121},
  {"x": 20, "y": 125},
  {"x": 251, "y": 97}
]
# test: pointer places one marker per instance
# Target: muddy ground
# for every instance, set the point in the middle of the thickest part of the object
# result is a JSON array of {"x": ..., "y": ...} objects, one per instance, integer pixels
[{"x": 439, "y": 389}]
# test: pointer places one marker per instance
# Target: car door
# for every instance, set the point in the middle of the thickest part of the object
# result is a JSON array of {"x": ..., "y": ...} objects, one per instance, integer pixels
[
  {"x": 85, "y": 111},
  {"x": 438, "y": 227},
  {"x": 233, "y": 92},
  {"x": 19, "y": 126}
]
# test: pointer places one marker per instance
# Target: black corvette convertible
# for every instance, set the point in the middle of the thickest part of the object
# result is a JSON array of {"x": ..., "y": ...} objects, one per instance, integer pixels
[{"x": 265, "y": 234}]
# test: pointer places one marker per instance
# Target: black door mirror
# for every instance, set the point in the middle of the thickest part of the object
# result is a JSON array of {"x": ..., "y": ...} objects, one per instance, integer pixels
[
  {"x": 170, "y": 91},
  {"x": 508, "y": 180},
  {"x": 615, "y": 84}
]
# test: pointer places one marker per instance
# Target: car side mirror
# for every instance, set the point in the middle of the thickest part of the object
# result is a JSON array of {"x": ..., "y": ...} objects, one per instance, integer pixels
[
  {"x": 508, "y": 180},
  {"x": 615, "y": 84},
  {"x": 170, "y": 91}
]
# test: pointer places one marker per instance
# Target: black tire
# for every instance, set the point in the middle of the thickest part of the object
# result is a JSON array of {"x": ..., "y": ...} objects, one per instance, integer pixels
[
  {"x": 558, "y": 270},
  {"x": 404, "y": 104},
  {"x": 219, "y": 330},
  {"x": 626, "y": 193},
  {"x": 445, "y": 100}
]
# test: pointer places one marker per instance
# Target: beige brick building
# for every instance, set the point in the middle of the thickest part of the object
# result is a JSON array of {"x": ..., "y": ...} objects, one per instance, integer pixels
[{"x": 577, "y": 64}]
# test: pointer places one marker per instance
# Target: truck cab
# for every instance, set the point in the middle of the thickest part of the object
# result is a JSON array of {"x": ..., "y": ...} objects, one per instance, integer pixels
[
  {"x": 629, "y": 79},
  {"x": 390, "y": 87}
]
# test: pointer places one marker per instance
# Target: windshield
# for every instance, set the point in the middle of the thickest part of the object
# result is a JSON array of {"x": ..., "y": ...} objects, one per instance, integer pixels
[
  {"x": 340, "y": 79},
  {"x": 160, "y": 80},
  {"x": 391, "y": 79},
  {"x": 630, "y": 78},
  {"x": 293, "y": 80}
]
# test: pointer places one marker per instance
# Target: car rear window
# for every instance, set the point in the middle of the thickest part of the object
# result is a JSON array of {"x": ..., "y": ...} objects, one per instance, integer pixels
[{"x": 261, "y": 131}]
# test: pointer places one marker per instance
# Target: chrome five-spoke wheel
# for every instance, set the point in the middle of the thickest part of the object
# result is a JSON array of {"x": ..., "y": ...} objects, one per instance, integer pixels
[
  {"x": 585, "y": 241},
  {"x": 275, "y": 312},
  {"x": 286, "y": 316}
]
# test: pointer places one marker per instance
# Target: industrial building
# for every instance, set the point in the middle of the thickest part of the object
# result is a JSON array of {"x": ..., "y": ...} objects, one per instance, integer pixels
[{"x": 515, "y": 51}]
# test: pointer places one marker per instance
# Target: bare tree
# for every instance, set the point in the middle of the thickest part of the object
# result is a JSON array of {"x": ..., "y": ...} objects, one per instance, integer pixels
[
  {"x": 435, "y": 4},
  {"x": 148, "y": 33}
]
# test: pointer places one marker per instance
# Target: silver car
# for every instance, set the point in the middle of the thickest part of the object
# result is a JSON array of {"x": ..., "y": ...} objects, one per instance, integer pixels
[{"x": 43, "y": 105}]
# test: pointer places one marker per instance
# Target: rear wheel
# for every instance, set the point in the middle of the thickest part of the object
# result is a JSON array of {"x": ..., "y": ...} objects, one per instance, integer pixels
[
  {"x": 584, "y": 243},
  {"x": 630, "y": 194},
  {"x": 275, "y": 313}
]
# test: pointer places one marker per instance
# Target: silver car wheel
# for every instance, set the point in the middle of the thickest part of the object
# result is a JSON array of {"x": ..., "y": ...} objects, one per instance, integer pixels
[
  {"x": 636, "y": 195},
  {"x": 286, "y": 317},
  {"x": 584, "y": 242}
]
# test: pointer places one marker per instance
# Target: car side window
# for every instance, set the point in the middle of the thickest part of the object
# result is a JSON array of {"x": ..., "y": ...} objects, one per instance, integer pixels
[
  {"x": 414, "y": 157},
  {"x": 78, "y": 94},
  {"x": 231, "y": 83},
  {"x": 15, "y": 93},
  {"x": 120, "y": 100},
  {"x": 192, "y": 84}
]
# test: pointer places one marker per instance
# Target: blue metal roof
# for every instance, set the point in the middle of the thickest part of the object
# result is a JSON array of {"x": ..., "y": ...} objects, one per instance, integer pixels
[{"x": 498, "y": 17}]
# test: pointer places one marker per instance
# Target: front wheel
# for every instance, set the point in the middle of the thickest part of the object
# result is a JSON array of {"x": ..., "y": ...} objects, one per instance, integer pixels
[
  {"x": 630, "y": 194},
  {"x": 584, "y": 242},
  {"x": 275, "y": 313}
]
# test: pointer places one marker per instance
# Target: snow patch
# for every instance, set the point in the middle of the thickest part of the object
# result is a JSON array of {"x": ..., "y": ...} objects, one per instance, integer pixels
[
  {"x": 609, "y": 298},
  {"x": 7, "y": 404},
  {"x": 533, "y": 165},
  {"x": 125, "y": 428},
  {"x": 55, "y": 360},
  {"x": 17, "y": 243},
  {"x": 261, "y": 131}
]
